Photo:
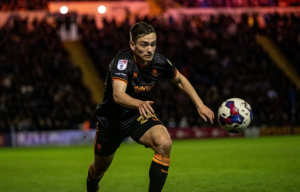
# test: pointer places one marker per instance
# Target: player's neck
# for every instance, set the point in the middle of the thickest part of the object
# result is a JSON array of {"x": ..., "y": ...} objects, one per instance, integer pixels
[{"x": 139, "y": 61}]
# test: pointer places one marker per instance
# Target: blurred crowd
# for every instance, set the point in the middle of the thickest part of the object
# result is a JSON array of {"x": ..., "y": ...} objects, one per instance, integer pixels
[
  {"x": 219, "y": 56},
  {"x": 237, "y": 3},
  {"x": 10, "y": 5},
  {"x": 40, "y": 88},
  {"x": 285, "y": 31},
  {"x": 14, "y": 5},
  {"x": 20, "y": 5}
]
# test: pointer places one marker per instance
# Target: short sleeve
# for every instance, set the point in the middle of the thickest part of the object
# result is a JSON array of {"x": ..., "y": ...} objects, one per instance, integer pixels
[
  {"x": 170, "y": 70},
  {"x": 120, "y": 70}
]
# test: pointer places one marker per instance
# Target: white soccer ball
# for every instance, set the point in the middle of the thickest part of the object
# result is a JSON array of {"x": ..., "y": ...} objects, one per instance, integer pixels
[{"x": 235, "y": 115}]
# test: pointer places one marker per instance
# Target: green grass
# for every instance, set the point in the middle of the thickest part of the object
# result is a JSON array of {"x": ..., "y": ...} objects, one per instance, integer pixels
[{"x": 214, "y": 165}]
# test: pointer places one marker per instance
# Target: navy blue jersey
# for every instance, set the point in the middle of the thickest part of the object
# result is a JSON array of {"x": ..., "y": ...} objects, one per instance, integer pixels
[{"x": 140, "y": 79}]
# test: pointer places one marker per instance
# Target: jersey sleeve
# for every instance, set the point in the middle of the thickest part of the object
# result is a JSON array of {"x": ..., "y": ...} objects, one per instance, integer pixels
[
  {"x": 120, "y": 70},
  {"x": 170, "y": 70}
]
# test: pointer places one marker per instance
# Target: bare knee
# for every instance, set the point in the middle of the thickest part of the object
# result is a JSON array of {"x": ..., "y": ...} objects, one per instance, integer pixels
[
  {"x": 163, "y": 146},
  {"x": 158, "y": 139}
]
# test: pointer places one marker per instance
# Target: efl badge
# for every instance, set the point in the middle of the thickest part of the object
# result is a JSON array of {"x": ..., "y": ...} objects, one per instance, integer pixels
[
  {"x": 122, "y": 64},
  {"x": 135, "y": 75},
  {"x": 154, "y": 72}
]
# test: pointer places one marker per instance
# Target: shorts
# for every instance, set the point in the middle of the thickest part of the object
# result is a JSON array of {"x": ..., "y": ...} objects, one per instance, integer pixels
[{"x": 109, "y": 134}]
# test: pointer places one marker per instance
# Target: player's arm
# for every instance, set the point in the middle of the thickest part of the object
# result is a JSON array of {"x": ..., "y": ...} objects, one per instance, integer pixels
[
  {"x": 186, "y": 86},
  {"x": 122, "y": 98}
]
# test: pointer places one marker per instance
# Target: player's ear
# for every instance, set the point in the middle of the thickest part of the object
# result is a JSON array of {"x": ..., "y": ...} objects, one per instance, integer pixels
[{"x": 132, "y": 45}]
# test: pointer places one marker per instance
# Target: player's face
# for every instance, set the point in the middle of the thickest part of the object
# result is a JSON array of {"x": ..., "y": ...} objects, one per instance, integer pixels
[{"x": 144, "y": 48}]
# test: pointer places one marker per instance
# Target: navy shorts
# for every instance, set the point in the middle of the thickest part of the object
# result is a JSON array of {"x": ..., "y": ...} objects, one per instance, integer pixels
[{"x": 109, "y": 134}]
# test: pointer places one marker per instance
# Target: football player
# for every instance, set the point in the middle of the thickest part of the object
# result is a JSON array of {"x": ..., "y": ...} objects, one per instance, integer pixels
[{"x": 126, "y": 111}]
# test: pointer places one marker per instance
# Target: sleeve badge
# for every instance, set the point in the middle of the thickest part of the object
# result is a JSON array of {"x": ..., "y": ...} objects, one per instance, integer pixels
[{"x": 122, "y": 64}]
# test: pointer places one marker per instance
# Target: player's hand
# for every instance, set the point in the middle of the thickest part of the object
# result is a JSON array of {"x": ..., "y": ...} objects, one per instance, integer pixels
[
  {"x": 146, "y": 109},
  {"x": 205, "y": 113}
]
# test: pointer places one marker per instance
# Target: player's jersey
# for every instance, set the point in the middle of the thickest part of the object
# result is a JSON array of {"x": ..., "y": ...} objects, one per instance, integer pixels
[{"x": 139, "y": 79}]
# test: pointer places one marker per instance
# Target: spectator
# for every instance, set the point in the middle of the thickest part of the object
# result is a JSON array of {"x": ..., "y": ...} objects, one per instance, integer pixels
[{"x": 40, "y": 88}]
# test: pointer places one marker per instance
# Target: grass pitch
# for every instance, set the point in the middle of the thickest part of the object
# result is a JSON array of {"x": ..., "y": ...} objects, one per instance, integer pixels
[{"x": 213, "y": 165}]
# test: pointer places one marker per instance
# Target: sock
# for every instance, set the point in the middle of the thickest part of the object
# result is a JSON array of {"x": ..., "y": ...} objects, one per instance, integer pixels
[
  {"x": 158, "y": 173},
  {"x": 91, "y": 182}
]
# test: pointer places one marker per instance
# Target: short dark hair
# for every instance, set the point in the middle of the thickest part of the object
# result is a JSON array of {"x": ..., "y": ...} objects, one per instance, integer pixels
[{"x": 140, "y": 29}]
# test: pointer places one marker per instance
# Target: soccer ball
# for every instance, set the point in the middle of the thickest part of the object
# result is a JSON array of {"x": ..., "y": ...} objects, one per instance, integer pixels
[{"x": 235, "y": 115}]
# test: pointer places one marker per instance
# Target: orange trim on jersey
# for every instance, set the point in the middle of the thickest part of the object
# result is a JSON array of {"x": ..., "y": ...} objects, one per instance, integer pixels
[
  {"x": 155, "y": 119},
  {"x": 119, "y": 79},
  {"x": 164, "y": 171},
  {"x": 175, "y": 74}
]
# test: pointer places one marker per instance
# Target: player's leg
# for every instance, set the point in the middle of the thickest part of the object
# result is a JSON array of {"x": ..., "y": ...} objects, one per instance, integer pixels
[
  {"x": 160, "y": 141},
  {"x": 107, "y": 141},
  {"x": 97, "y": 170}
]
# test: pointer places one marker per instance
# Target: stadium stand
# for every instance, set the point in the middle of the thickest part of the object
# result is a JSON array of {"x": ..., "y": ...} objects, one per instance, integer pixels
[
  {"x": 220, "y": 57},
  {"x": 285, "y": 31},
  {"x": 9, "y": 5},
  {"x": 12, "y": 5},
  {"x": 234, "y": 3},
  {"x": 40, "y": 87}
]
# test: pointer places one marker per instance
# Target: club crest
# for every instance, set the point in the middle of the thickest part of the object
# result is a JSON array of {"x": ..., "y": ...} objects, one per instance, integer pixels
[
  {"x": 135, "y": 75},
  {"x": 155, "y": 72}
]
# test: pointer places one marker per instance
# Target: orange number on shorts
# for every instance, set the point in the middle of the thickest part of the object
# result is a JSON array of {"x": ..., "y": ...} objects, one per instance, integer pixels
[{"x": 142, "y": 120}]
